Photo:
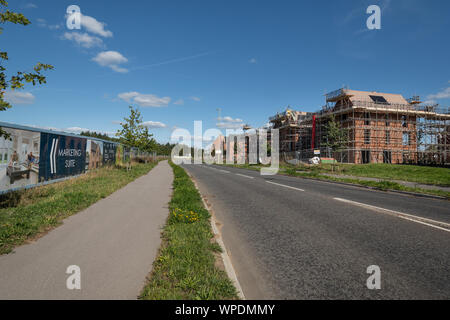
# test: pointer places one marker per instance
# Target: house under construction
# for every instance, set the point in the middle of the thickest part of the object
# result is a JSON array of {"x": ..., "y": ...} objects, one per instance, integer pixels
[
  {"x": 288, "y": 124},
  {"x": 380, "y": 127}
]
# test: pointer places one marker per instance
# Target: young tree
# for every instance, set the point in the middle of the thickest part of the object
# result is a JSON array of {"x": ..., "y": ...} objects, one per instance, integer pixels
[
  {"x": 134, "y": 133},
  {"x": 16, "y": 81},
  {"x": 336, "y": 138}
]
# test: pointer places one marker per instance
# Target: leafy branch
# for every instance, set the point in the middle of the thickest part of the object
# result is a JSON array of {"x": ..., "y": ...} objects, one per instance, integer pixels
[{"x": 18, "y": 80}]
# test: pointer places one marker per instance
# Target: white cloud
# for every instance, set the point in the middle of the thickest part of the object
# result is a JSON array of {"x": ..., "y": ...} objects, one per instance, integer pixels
[
  {"x": 127, "y": 96},
  {"x": 144, "y": 100},
  {"x": 444, "y": 94},
  {"x": 253, "y": 60},
  {"x": 19, "y": 97},
  {"x": 30, "y": 6},
  {"x": 195, "y": 98},
  {"x": 154, "y": 124},
  {"x": 78, "y": 130},
  {"x": 83, "y": 39},
  {"x": 111, "y": 59},
  {"x": 229, "y": 123},
  {"x": 43, "y": 24},
  {"x": 179, "y": 102},
  {"x": 75, "y": 129},
  {"x": 94, "y": 26},
  {"x": 229, "y": 119}
]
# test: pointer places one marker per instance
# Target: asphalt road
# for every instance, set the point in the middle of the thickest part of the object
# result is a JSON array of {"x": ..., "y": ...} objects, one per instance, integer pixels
[
  {"x": 114, "y": 243},
  {"x": 292, "y": 238}
]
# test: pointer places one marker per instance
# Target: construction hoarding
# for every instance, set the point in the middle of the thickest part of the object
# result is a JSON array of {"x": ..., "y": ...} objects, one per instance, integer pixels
[{"x": 61, "y": 156}]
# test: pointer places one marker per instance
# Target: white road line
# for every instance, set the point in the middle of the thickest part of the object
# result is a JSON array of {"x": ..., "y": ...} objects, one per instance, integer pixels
[
  {"x": 425, "y": 221},
  {"x": 243, "y": 175},
  {"x": 283, "y": 185},
  {"x": 220, "y": 170}
]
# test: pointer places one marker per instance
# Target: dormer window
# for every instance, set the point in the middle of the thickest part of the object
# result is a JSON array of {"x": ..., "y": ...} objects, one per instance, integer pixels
[{"x": 379, "y": 99}]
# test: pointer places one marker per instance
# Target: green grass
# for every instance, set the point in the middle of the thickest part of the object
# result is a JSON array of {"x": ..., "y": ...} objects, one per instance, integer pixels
[
  {"x": 419, "y": 174},
  {"x": 24, "y": 215},
  {"x": 185, "y": 267},
  {"x": 412, "y": 173},
  {"x": 384, "y": 185}
]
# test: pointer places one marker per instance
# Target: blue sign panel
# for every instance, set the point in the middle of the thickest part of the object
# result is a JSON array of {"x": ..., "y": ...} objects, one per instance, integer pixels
[{"x": 61, "y": 156}]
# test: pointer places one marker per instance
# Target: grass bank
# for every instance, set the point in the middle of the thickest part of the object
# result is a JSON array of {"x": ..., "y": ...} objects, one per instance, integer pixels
[
  {"x": 26, "y": 214},
  {"x": 186, "y": 264},
  {"x": 419, "y": 174},
  {"x": 384, "y": 185}
]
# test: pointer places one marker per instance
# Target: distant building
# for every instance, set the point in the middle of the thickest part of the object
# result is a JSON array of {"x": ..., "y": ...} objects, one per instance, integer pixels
[{"x": 381, "y": 127}]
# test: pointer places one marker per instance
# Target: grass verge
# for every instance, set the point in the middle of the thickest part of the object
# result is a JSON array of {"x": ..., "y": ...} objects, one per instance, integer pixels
[
  {"x": 412, "y": 173},
  {"x": 185, "y": 267},
  {"x": 383, "y": 185},
  {"x": 26, "y": 214},
  {"x": 418, "y": 174}
]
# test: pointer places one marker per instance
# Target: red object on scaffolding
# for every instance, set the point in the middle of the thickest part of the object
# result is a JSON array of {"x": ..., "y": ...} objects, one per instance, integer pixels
[{"x": 313, "y": 131}]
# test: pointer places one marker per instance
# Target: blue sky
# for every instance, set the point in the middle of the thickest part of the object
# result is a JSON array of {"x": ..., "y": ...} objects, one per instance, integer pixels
[{"x": 178, "y": 61}]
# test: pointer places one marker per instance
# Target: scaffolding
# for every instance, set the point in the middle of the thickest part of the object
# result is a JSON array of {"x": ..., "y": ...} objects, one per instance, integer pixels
[
  {"x": 379, "y": 132},
  {"x": 288, "y": 124}
]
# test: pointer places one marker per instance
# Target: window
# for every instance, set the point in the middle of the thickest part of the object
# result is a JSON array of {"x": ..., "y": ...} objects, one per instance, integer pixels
[
  {"x": 367, "y": 136},
  {"x": 388, "y": 137},
  {"x": 405, "y": 138},
  {"x": 387, "y": 157},
  {"x": 379, "y": 99},
  {"x": 404, "y": 122},
  {"x": 367, "y": 119},
  {"x": 387, "y": 120},
  {"x": 365, "y": 156}
]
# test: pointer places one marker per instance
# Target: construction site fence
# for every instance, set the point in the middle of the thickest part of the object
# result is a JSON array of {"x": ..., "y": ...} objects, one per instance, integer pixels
[{"x": 31, "y": 157}]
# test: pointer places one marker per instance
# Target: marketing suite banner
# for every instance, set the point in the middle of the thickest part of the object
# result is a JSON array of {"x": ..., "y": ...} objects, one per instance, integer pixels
[{"x": 61, "y": 156}]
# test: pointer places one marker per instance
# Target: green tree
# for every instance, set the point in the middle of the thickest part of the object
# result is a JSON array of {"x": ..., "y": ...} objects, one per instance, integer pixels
[
  {"x": 134, "y": 133},
  {"x": 17, "y": 81},
  {"x": 336, "y": 138},
  {"x": 98, "y": 135}
]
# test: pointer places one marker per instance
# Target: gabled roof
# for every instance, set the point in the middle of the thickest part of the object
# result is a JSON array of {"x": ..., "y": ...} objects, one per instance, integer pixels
[{"x": 373, "y": 96}]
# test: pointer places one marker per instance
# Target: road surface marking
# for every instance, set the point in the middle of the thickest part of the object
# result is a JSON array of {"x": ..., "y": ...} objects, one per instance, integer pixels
[
  {"x": 283, "y": 185},
  {"x": 220, "y": 170},
  {"x": 243, "y": 175},
  {"x": 425, "y": 221}
]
